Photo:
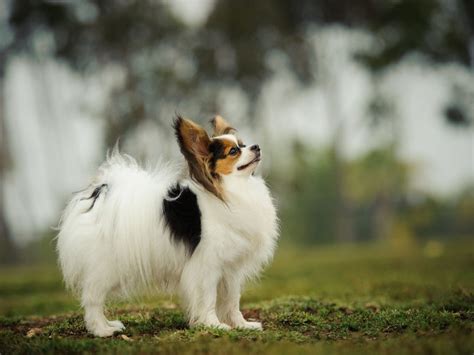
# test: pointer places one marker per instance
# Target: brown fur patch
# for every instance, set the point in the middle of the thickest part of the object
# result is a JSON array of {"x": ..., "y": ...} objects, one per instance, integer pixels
[{"x": 222, "y": 162}]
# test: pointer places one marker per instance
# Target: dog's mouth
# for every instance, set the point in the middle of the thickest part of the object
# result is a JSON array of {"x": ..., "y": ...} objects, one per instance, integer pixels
[{"x": 253, "y": 161}]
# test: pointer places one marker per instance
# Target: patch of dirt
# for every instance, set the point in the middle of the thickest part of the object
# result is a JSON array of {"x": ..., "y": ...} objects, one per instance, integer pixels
[{"x": 251, "y": 314}]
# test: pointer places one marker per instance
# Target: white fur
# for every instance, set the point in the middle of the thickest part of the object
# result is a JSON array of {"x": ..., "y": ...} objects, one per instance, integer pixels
[{"x": 122, "y": 246}]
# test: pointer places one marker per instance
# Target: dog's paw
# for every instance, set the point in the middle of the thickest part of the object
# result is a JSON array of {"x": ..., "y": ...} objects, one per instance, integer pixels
[
  {"x": 104, "y": 331},
  {"x": 250, "y": 325},
  {"x": 222, "y": 326},
  {"x": 215, "y": 325},
  {"x": 116, "y": 324}
]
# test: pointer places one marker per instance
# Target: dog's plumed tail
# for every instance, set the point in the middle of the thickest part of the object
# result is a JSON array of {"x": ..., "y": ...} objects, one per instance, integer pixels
[{"x": 106, "y": 231}]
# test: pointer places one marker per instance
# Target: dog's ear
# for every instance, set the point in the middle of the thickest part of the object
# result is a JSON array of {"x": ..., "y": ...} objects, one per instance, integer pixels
[
  {"x": 194, "y": 144},
  {"x": 192, "y": 139},
  {"x": 221, "y": 126}
]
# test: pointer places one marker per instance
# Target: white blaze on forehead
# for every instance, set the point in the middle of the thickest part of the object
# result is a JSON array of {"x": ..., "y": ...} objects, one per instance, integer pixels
[{"x": 229, "y": 137}]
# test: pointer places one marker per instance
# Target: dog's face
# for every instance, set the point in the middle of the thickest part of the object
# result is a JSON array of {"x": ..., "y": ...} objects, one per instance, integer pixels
[
  {"x": 211, "y": 158},
  {"x": 229, "y": 156}
]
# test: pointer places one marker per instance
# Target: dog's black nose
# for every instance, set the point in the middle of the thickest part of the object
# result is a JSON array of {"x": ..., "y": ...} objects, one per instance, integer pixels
[{"x": 255, "y": 147}]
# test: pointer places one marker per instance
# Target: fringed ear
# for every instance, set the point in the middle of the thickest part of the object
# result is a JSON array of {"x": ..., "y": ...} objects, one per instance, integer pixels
[
  {"x": 194, "y": 144},
  {"x": 221, "y": 126},
  {"x": 192, "y": 138}
]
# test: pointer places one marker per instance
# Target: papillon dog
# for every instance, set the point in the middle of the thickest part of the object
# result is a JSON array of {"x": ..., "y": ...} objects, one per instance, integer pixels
[{"x": 199, "y": 231}]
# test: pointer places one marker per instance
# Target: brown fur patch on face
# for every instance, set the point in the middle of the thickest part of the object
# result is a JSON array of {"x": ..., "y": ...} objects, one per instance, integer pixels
[
  {"x": 194, "y": 144},
  {"x": 222, "y": 158}
]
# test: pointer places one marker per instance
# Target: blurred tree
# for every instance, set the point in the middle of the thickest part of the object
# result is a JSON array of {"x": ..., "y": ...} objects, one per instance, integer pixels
[
  {"x": 8, "y": 250},
  {"x": 378, "y": 181},
  {"x": 309, "y": 206},
  {"x": 165, "y": 63},
  {"x": 91, "y": 35},
  {"x": 382, "y": 206},
  {"x": 442, "y": 32},
  {"x": 431, "y": 216}
]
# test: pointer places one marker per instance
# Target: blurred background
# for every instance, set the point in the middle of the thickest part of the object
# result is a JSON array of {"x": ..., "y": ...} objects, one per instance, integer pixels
[{"x": 364, "y": 109}]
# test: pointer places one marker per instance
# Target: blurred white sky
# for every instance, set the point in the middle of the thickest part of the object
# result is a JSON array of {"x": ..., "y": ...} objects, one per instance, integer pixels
[{"x": 56, "y": 136}]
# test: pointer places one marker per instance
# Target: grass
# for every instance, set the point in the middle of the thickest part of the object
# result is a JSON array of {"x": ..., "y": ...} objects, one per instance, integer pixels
[{"x": 355, "y": 299}]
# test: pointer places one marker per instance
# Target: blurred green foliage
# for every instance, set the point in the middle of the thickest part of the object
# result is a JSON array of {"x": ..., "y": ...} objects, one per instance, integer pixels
[
  {"x": 431, "y": 216},
  {"x": 382, "y": 205}
]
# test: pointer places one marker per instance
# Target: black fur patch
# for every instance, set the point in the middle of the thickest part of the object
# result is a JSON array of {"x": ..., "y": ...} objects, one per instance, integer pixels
[
  {"x": 183, "y": 217},
  {"x": 95, "y": 195}
]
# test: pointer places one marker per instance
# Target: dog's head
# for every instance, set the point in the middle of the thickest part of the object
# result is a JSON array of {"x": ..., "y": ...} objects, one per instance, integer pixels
[{"x": 212, "y": 158}]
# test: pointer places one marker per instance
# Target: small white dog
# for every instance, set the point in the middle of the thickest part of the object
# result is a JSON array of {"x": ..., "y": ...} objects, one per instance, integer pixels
[{"x": 201, "y": 233}]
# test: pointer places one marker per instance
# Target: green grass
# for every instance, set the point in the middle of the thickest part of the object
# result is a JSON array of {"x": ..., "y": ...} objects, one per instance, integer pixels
[{"x": 355, "y": 299}]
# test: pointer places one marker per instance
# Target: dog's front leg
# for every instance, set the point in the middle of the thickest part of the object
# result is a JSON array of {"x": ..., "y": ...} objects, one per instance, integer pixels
[
  {"x": 229, "y": 303},
  {"x": 199, "y": 290}
]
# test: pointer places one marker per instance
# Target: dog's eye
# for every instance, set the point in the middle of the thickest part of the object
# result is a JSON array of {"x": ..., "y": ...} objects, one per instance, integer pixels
[{"x": 233, "y": 151}]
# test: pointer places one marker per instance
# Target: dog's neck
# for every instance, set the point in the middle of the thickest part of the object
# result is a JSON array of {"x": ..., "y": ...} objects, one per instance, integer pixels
[
  {"x": 233, "y": 187},
  {"x": 239, "y": 187}
]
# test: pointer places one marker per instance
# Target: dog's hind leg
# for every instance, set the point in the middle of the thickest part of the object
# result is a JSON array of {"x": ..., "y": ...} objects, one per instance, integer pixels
[{"x": 94, "y": 294}]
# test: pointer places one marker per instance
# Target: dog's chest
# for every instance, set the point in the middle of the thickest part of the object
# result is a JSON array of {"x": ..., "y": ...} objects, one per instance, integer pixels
[{"x": 251, "y": 214}]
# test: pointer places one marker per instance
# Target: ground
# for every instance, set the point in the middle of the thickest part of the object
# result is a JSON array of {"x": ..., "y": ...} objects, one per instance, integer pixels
[{"x": 357, "y": 299}]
